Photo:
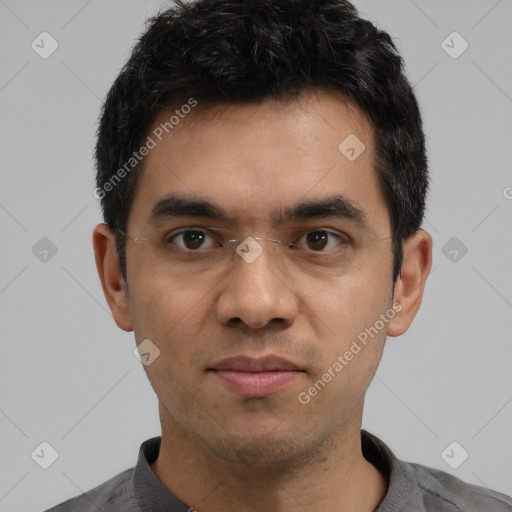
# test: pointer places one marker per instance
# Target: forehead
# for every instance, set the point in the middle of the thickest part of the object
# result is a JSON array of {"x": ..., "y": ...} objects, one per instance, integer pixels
[{"x": 254, "y": 160}]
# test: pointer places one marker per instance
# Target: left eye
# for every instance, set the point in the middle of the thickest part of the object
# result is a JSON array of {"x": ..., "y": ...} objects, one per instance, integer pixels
[{"x": 322, "y": 239}]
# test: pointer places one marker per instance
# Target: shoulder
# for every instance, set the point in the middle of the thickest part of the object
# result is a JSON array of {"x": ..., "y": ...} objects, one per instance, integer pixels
[
  {"x": 433, "y": 489},
  {"x": 417, "y": 488},
  {"x": 114, "y": 495}
]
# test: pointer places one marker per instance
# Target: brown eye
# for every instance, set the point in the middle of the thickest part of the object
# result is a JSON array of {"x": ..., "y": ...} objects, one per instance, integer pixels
[
  {"x": 191, "y": 239},
  {"x": 317, "y": 241}
]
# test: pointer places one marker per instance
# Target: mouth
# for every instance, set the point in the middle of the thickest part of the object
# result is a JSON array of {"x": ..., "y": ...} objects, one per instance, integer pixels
[{"x": 255, "y": 377}]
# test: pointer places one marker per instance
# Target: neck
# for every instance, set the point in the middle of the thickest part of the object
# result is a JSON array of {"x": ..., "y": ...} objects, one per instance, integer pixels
[{"x": 337, "y": 479}]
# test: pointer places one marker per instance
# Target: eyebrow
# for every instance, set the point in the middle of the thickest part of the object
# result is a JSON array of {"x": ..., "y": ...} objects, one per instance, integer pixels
[{"x": 338, "y": 206}]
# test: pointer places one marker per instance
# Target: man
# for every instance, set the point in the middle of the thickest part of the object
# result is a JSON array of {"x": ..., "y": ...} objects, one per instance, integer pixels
[{"x": 262, "y": 174}]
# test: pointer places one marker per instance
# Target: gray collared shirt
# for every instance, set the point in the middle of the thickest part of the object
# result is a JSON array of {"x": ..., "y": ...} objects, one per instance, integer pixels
[{"x": 412, "y": 488}]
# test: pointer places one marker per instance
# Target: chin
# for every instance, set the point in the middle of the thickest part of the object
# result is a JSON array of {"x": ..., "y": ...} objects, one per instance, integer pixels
[{"x": 265, "y": 451}]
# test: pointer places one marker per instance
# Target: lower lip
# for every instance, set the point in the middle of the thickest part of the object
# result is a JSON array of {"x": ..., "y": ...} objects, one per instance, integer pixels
[{"x": 256, "y": 383}]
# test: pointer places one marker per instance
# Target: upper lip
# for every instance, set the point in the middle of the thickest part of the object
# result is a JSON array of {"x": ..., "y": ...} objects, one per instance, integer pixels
[{"x": 250, "y": 364}]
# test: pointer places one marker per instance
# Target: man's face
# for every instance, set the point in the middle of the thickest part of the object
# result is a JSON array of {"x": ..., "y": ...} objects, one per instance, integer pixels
[{"x": 252, "y": 161}]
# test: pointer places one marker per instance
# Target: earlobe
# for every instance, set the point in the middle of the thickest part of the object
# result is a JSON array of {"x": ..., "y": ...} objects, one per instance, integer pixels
[
  {"x": 109, "y": 272},
  {"x": 410, "y": 284}
]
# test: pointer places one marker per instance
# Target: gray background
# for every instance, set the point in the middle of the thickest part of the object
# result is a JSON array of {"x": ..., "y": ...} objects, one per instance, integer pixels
[{"x": 67, "y": 373}]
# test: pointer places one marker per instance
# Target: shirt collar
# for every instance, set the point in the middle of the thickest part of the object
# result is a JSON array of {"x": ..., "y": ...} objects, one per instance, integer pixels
[
  {"x": 150, "y": 493},
  {"x": 379, "y": 454}
]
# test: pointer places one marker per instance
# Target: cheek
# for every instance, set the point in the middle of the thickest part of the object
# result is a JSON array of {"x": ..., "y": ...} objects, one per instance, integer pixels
[
  {"x": 351, "y": 340},
  {"x": 349, "y": 304},
  {"x": 170, "y": 313},
  {"x": 172, "y": 316},
  {"x": 347, "y": 318}
]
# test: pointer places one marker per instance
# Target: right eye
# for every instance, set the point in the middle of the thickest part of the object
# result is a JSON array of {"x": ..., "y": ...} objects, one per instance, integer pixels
[{"x": 190, "y": 240}]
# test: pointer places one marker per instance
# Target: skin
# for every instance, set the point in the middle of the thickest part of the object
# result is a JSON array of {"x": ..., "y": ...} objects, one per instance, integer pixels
[{"x": 220, "y": 449}]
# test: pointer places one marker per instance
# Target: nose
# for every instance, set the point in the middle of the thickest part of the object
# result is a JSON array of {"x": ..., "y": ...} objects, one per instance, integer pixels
[{"x": 257, "y": 293}]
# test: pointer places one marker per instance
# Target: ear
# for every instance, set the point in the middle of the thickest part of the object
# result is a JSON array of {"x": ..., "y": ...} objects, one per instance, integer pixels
[
  {"x": 109, "y": 271},
  {"x": 410, "y": 284}
]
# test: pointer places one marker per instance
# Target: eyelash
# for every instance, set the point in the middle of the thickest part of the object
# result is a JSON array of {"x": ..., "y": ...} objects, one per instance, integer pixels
[{"x": 344, "y": 240}]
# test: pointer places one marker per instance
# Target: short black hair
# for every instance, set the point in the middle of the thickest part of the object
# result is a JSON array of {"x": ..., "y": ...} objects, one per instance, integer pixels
[{"x": 235, "y": 51}]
